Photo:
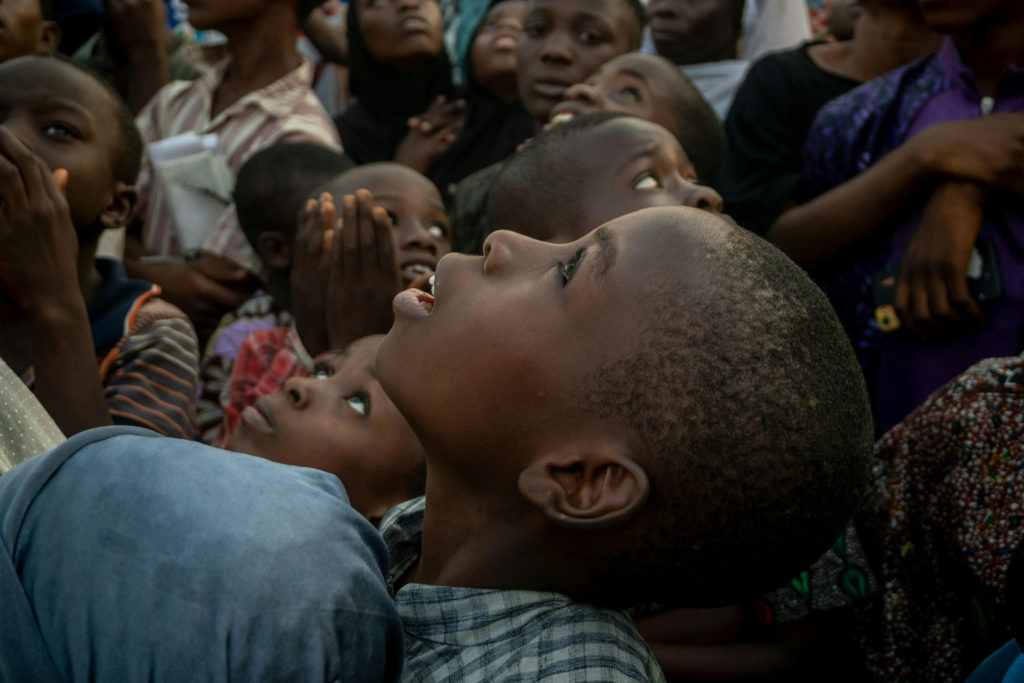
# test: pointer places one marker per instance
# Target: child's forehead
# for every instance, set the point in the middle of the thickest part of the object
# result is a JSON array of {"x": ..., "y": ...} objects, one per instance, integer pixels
[
  {"x": 48, "y": 80},
  {"x": 389, "y": 180},
  {"x": 615, "y": 142},
  {"x": 609, "y": 10}
]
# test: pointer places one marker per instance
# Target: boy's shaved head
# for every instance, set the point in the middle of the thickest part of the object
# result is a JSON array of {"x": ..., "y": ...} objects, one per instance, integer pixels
[
  {"x": 753, "y": 421},
  {"x": 665, "y": 410}
]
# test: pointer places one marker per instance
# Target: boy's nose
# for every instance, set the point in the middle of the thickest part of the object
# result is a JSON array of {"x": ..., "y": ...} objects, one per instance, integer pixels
[
  {"x": 416, "y": 236},
  {"x": 584, "y": 94},
  {"x": 557, "y": 48},
  {"x": 664, "y": 9},
  {"x": 409, "y": 4},
  {"x": 297, "y": 390},
  {"x": 702, "y": 197}
]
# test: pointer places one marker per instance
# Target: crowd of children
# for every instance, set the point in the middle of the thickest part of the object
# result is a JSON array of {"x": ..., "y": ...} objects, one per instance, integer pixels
[{"x": 573, "y": 342}]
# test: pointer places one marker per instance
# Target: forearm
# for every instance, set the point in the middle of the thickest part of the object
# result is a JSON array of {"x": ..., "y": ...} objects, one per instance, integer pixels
[
  {"x": 67, "y": 382},
  {"x": 844, "y": 216}
]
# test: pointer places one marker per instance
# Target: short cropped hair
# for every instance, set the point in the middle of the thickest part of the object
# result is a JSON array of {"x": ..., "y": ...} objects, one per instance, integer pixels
[
  {"x": 273, "y": 184},
  {"x": 128, "y": 155},
  {"x": 752, "y": 421}
]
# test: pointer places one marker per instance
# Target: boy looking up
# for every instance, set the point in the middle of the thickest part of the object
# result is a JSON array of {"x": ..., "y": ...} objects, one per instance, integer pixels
[
  {"x": 259, "y": 96},
  {"x": 662, "y": 437},
  {"x": 662, "y": 410},
  {"x": 69, "y": 154},
  {"x": 26, "y": 29},
  {"x": 652, "y": 88},
  {"x": 578, "y": 175}
]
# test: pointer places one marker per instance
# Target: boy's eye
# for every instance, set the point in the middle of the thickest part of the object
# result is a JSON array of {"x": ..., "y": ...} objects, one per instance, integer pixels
[
  {"x": 59, "y": 130},
  {"x": 648, "y": 181},
  {"x": 438, "y": 231},
  {"x": 629, "y": 94},
  {"x": 321, "y": 371},
  {"x": 392, "y": 218},
  {"x": 568, "y": 269},
  {"x": 359, "y": 402},
  {"x": 590, "y": 36}
]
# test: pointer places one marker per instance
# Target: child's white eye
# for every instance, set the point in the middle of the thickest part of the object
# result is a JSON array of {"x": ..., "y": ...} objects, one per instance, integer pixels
[
  {"x": 438, "y": 231},
  {"x": 647, "y": 181},
  {"x": 321, "y": 371},
  {"x": 359, "y": 403}
]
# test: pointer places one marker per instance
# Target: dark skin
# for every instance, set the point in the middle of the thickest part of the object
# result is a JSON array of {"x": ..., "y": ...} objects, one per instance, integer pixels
[
  {"x": 139, "y": 28},
  {"x": 695, "y": 31},
  {"x": 261, "y": 45},
  {"x": 25, "y": 31},
  {"x": 564, "y": 42},
  {"x": 338, "y": 420},
  {"x": 625, "y": 165},
  {"x": 352, "y": 255},
  {"x": 633, "y": 83},
  {"x": 59, "y": 191},
  {"x": 553, "y": 476},
  {"x": 988, "y": 152}
]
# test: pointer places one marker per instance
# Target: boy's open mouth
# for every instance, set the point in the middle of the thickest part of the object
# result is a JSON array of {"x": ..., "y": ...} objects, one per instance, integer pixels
[
  {"x": 259, "y": 416},
  {"x": 413, "y": 303}
]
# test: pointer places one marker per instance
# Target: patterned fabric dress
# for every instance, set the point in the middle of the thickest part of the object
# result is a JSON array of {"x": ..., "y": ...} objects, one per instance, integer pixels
[{"x": 944, "y": 519}]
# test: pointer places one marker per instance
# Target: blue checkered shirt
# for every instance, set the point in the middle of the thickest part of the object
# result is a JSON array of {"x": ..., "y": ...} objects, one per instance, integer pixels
[{"x": 470, "y": 634}]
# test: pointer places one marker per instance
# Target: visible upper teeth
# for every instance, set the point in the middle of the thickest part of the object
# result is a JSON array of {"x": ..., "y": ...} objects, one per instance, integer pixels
[
  {"x": 431, "y": 283},
  {"x": 419, "y": 268},
  {"x": 564, "y": 117}
]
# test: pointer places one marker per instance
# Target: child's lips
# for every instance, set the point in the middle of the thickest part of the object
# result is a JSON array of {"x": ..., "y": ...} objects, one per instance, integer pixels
[
  {"x": 549, "y": 89},
  {"x": 413, "y": 303},
  {"x": 260, "y": 416},
  {"x": 506, "y": 41}
]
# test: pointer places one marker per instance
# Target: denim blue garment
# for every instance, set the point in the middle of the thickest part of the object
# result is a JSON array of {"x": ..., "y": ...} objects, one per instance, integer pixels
[
  {"x": 131, "y": 557},
  {"x": 1005, "y": 665}
]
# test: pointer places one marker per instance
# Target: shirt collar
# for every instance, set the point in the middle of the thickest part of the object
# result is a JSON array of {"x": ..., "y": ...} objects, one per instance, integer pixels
[
  {"x": 961, "y": 75},
  {"x": 449, "y": 614},
  {"x": 276, "y": 99}
]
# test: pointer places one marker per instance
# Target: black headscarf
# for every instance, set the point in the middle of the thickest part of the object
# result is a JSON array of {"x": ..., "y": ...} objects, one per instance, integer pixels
[
  {"x": 493, "y": 130},
  {"x": 372, "y": 128}
]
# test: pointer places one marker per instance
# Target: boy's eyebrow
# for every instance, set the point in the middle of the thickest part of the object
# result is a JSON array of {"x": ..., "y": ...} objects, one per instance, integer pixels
[
  {"x": 647, "y": 150},
  {"x": 635, "y": 74},
  {"x": 607, "y": 250}
]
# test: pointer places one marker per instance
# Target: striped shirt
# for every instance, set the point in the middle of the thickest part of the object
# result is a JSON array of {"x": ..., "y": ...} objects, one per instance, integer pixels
[
  {"x": 470, "y": 634},
  {"x": 287, "y": 110}
]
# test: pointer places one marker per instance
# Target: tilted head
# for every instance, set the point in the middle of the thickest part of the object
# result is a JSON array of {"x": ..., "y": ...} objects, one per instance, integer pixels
[
  {"x": 696, "y": 31},
  {"x": 421, "y": 227},
  {"x": 403, "y": 34},
  {"x": 563, "y": 42},
  {"x": 493, "y": 63},
  {"x": 218, "y": 15},
  {"x": 580, "y": 174},
  {"x": 339, "y": 420},
  {"x": 652, "y": 88},
  {"x": 667, "y": 408},
  {"x": 71, "y": 119}
]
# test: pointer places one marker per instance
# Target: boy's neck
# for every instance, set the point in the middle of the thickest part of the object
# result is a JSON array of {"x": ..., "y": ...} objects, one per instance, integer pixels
[
  {"x": 989, "y": 48},
  {"x": 468, "y": 543},
  {"x": 262, "y": 51},
  {"x": 89, "y": 279}
]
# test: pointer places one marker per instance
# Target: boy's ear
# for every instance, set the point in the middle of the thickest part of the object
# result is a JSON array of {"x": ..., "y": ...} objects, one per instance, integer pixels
[
  {"x": 50, "y": 36},
  {"x": 121, "y": 208},
  {"x": 586, "y": 489},
  {"x": 275, "y": 250}
]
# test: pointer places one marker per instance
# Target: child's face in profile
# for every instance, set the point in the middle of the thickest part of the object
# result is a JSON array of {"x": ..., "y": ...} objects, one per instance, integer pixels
[
  {"x": 421, "y": 227},
  {"x": 399, "y": 32},
  {"x": 694, "y": 31},
  {"x": 633, "y": 83},
  {"x": 67, "y": 120},
  {"x": 339, "y": 421},
  {"x": 626, "y": 165},
  {"x": 563, "y": 42},
  {"x": 493, "y": 52},
  {"x": 21, "y": 28},
  {"x": 495, "y": 370}
]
